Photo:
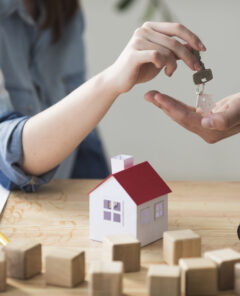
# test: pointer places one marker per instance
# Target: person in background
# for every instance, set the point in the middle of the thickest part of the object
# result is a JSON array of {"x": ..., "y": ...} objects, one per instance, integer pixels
[
  {"x": 42, "y": 58},
  {"x": 43, "y": 119},
  {"x": 223, "y": 122}
]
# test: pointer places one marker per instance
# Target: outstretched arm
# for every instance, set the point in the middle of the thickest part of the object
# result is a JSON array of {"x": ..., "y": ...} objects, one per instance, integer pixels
[
  {"x": 49, "y": 137},
  {"x": 223, "y": 122}
]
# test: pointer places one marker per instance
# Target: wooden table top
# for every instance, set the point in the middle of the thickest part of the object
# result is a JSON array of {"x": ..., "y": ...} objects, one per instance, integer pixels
[{"x": 57, "y": 216}]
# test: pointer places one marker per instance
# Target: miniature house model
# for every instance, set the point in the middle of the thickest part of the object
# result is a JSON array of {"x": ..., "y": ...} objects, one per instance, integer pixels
[{"x": 132, "y": 200}]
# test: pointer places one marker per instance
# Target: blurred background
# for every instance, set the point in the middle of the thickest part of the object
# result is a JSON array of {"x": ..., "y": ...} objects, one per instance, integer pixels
[{"x": 133, "y": 126}]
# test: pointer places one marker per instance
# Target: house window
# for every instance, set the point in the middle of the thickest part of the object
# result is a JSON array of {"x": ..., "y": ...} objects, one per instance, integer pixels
[
  {"x": 112, "y": 211},
  {"x": 107, "y": 204},
  {"x": 159, "y": 210},
  {"x": 145, "y": 216},
  {"x": 107, "y": 216}
]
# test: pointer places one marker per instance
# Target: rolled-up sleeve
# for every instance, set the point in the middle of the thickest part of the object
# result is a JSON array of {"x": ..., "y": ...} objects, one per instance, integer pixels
[{"x": 11, "y": 174}]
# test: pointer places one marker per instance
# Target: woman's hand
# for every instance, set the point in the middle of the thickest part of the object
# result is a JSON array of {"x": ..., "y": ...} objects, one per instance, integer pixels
[
  {"x": 223, "y": 122},
  {"x": 152, "y": 48}
]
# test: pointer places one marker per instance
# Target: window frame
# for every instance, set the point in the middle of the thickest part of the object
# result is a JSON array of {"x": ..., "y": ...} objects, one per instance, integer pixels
[{"x": 109, "y": 206}]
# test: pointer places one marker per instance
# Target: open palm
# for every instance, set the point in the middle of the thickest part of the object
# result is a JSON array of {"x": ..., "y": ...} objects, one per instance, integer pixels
[{"x": 222, "y": 123}]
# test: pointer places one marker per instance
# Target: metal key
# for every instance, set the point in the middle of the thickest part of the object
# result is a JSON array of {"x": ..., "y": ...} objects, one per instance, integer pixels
[
  {"x": 203, "y": 75},
  {"x": 204, "y": 101}
]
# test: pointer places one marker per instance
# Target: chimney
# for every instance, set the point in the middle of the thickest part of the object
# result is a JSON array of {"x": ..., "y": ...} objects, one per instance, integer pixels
[{"x": 121, "y": 162}]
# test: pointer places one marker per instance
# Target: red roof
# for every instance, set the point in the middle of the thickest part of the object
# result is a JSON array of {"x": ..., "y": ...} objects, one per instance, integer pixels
[{"x": 141, "y": 182}]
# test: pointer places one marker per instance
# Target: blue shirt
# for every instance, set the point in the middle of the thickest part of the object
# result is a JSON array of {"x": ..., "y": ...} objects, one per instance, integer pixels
[{"x": 37, "y": 73}]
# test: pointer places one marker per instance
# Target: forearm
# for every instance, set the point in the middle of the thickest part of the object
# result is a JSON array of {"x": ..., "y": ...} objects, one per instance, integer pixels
[{"x": 50, "y": 136}]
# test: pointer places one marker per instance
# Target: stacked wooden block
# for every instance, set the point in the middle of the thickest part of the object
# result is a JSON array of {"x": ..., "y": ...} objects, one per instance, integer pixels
[
  {"x": 199, "y": 276},
  {"x": 121, "y": 254},
  {"x": 23, "y": 260}
]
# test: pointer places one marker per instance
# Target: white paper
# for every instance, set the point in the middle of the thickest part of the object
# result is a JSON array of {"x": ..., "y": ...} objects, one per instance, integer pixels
[{"x": 4, "y": 194}]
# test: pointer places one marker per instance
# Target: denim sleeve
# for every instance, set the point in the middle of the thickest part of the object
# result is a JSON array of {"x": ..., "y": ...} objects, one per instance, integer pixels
[{"x": 11, "y": 174}]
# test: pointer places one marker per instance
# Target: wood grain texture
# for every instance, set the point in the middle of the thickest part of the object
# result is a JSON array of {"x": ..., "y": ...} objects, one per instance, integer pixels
[
  {"x": 198, "y": 276},
  {"x": 123, "y": 248},
  {"x": 180, "y": 244},
  {"x": 57, "y": 215}
]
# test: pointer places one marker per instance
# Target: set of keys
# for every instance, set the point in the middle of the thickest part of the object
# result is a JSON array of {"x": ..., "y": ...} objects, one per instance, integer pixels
[{"x": 200, "y": 78}]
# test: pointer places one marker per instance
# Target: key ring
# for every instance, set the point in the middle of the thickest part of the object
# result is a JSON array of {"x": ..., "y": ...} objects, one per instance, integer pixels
[{"x": 200, "y": 88}]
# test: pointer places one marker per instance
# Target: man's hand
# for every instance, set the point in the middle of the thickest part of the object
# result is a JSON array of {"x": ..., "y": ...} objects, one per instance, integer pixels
[{"x": 223, "y": 122}]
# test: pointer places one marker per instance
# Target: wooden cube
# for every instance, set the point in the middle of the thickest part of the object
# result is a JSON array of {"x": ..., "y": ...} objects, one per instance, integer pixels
[
  {"x": 163, "y": 280},
  {"x": 65, "y": 267},
  {"x": 106, "y": 279},
  {"x": 24, "y": 259},
  {"x": 198, "y": 276},
  {"x": 180, "y": 244},
  {"x": 3, "y": 268},
  {"x": 225, "y": 259},
  {"x": 123, "y": 248},
  {"x": 237, "y": 279}
]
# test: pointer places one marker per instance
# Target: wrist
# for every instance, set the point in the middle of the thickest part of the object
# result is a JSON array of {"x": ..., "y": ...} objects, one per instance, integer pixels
[{"x": 107, "y": 80}]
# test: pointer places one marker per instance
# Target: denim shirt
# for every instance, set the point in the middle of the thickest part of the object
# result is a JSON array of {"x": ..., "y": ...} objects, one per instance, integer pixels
[{"x": 37, "y": 73}]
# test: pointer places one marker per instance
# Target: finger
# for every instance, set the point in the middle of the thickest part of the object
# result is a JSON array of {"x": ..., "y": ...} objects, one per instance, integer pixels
[
  {"x": 150, "y": 56},
  {"x": 228, "y": 118},
  {"x": 166, "y": 56},
  {"x": 222, "y": 121},
  {"x": 223, "y": 104},
  {"x": 178, "y": 30},
  {"x": 175, "y": 109},
  {"x": 176, "y": 47}
]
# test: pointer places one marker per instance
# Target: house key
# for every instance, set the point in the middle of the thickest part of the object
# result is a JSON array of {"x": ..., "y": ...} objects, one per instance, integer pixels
[
  {"x": 204, "y": 101},
  {"x": 204, "y": 75}
]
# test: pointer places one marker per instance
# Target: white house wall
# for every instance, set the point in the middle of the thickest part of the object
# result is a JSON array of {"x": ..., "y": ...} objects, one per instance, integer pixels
[
  {"x": 152, "y": 231},
  {"x": 98, "y": 227}
]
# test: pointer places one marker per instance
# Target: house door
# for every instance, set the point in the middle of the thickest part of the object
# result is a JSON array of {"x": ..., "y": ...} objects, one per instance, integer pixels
[{"x": 145, "y": 226}]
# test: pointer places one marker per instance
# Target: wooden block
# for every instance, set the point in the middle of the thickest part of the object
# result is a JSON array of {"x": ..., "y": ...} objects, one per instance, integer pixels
[
  {"x": 163, "y": 280},
  {"x": 24, "y": 259},
  {"x": 106, "y": 279},
  {"x": 65, "y": 267},
  {"x": 180, "y": 244},
  {"x": 225, "y": 259},
  {"x": 3, "y": 268},
  {"x": 123, "y": 248},
  {"x": 237, "y": 279},
  {"x": 198, "y": 276}
]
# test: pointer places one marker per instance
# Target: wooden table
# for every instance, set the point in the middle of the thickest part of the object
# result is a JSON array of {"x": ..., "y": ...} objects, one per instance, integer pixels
[{"x": 57, "y": 215}]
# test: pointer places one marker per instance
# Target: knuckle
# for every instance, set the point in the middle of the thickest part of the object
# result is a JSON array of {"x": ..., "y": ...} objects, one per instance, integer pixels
[
  {"x": 139, "y": 32},
  {"x": 174, "y": 43},
  {"x": 155, "y": 55},
  {"x": 147, "y": 25},
  {"x": 137, "y": 41},
  {"x": 178, "y": 26}
]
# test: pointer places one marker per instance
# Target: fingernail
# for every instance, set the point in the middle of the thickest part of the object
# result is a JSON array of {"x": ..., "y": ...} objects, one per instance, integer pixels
[
  {"x": 197, "y": 67},
  {"x": 207, "y": 122},
  {"x": 202, "y": 46}
]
